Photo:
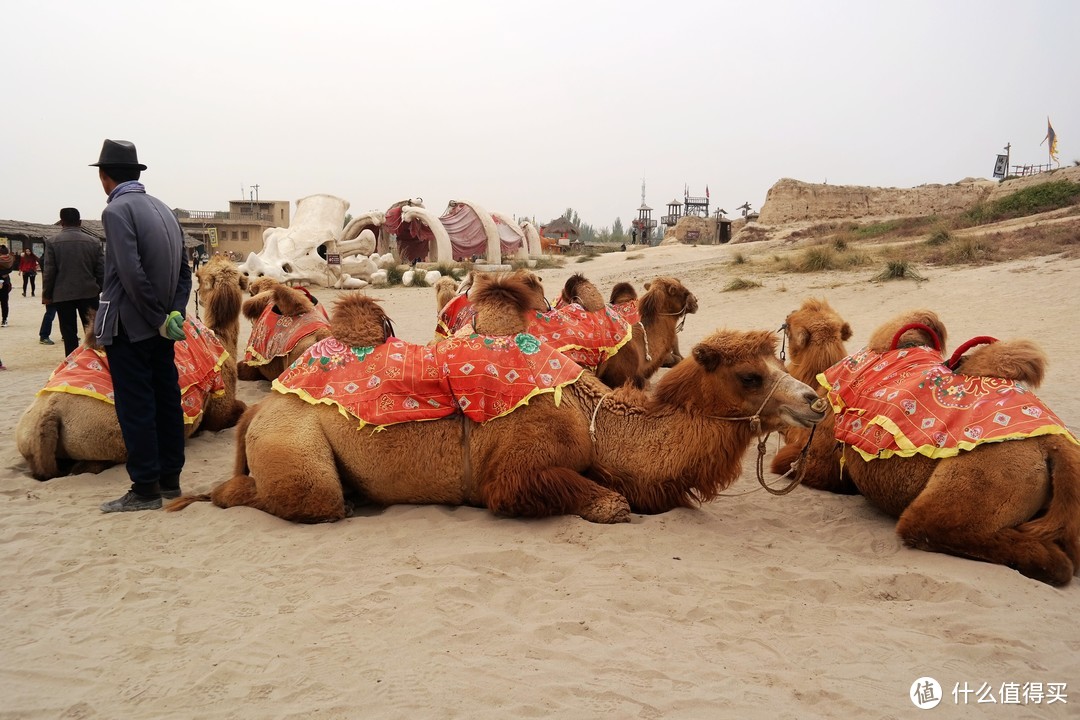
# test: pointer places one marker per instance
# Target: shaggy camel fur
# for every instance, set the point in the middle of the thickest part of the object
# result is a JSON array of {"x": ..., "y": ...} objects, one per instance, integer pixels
[
  {"x": 655, "y": 342},
  {"x": 63, "y": 433},
  {"x": 298, "y": 461},
  {"x": 285, "y": 301},
  {"x": 1015, "y": 503},
  {"x": 816, "y": 336}
]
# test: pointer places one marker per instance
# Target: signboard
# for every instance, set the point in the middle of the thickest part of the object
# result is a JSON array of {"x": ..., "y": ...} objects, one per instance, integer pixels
[
  {"x": 1001, "y": 166},
  {"x": 333, "y": 258},
  {"x": 693, "y": 234},
  {"x": 212, "y": 234}
]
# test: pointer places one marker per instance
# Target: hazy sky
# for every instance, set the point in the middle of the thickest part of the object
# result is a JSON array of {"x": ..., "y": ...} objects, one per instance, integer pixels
[{"x": 526, "y": 108}]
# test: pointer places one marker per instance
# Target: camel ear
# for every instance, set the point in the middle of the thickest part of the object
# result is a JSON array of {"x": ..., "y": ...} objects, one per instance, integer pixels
[
  {"x": 648, "y": 285},
  {"x": 707, "y": 357},
  {"x": 243, "y": 282},
  {"x": 845, "y": 332},
  {"x": 803, "y": 338}
]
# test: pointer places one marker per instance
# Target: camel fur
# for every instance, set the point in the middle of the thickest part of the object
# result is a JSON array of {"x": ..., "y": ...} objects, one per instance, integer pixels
[
  {"x": 285, "y": 300},
  {"x": 1014, "y": 503},
  {"x": 299, "y": 461},
  {"x": 816, "y": 335},
  {"x": 63, "y": 433}
]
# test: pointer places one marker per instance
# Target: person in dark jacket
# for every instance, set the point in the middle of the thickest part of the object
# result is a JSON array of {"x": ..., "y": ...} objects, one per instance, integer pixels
[
  {"x": 140, "y": 315},
  {"x": 73, "y": 275}
]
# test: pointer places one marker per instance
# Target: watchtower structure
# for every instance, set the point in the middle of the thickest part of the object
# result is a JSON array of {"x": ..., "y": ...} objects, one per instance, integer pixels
[
  {"x": 674, "y": 212},
  {"x": 643, "y": 224},
  {"x": 698, "y": 206}
]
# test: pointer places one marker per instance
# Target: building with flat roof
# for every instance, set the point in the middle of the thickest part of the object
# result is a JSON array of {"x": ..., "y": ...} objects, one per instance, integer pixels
[{"x": 239, "y": 230}]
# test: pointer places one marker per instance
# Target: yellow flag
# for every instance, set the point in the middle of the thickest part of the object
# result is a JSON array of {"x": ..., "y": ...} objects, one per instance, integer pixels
[{"x": 1051, "y": 139}]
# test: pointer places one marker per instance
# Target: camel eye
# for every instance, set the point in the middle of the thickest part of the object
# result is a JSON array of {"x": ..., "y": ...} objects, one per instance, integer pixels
[{"x": 750, "y": 381}]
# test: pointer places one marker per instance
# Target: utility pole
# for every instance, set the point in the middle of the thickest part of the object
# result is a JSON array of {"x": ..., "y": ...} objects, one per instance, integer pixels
[{"x": 256, "y": 189}]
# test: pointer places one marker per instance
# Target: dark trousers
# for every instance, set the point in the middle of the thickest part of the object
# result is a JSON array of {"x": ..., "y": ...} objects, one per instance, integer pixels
[
  {"x": 31, "y": 278},
  {"x": 66, "y": 310},
  {"x": 146, "y": 391},
  {"x": 5, "y": 291},
  {"x": 46, "y": 321}
]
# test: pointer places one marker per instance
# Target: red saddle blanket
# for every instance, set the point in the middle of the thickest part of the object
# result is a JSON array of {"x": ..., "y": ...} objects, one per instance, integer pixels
[
  {"x": 275, "y": 335},
  {"x": 587, "y": 338},
  {"x": 198, "y": 358},
  {"x": 907, "y": 402},
  {"x": 482, "y": 376}
]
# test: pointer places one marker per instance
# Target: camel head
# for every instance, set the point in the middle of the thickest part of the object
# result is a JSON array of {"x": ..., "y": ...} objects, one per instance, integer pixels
[
  {"x": 1019, "y": 360},
  {"x": 578, "y": 289},
  {"x": 882, "y": 339},
  {"x": 505, "y": 301},
  {"x": 445, "y": 290},
  {"x": 667, "y": 296},
  {"x": 735, "y": 375},
  {"x": 816, "y": 334},
  {"x": 359, "y": 321},
  {"x": 621, "y": 293},
  {"x": 221, "y": 292}
]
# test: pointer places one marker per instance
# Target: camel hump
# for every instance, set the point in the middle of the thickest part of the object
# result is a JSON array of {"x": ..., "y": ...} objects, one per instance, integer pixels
[
  {"x": 579, "y": 289},
  {"x": 503, "y": 299},
  {"x": 292, "y": 301},
  {"x": 359, "y": 321},
  {"x": 622, "y": 292},
  {"x": 1020, "y": 360}
]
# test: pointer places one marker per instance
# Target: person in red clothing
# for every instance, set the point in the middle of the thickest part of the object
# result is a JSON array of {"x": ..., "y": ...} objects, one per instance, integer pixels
[{"x": 28, "y": 267}]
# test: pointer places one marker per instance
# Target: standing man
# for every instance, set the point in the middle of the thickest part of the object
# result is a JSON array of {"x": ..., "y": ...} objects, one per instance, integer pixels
[
  {"x": 140, "y": 315},
  {"x": 73, "y": 275}
]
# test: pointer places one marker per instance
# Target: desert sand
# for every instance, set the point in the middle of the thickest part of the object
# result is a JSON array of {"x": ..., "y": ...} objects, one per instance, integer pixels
[{"x": 752, "y": 606}]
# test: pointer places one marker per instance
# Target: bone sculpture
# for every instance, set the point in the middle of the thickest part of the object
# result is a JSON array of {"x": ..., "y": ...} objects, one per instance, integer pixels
[{"x": 291, "y": 254}]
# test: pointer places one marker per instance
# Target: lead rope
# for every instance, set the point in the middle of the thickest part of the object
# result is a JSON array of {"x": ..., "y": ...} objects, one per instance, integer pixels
[
  {"x": 755, "y": 426},
  {"x": 592, "y": 421},
  {"x": 645, "y": 335}
]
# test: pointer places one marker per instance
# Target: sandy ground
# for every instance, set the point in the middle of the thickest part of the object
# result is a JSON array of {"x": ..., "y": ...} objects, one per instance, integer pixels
[{"x": 753, "y": 606}]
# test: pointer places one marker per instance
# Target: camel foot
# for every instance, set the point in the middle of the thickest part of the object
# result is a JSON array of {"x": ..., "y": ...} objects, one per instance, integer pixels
[
  {"x": 93, "y": 467},
  {"x": 608, "y": 509}
]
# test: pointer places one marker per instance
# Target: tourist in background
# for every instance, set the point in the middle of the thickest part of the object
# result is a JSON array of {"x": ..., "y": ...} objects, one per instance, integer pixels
[
  {"x": 73, "y": 276},
  {"x": 28, "y": 267},
  {"x": 6, "y": 263}
]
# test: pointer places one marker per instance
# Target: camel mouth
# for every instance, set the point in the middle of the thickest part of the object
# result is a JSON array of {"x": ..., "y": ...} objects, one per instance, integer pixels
[{"x": 804, "y": 417}]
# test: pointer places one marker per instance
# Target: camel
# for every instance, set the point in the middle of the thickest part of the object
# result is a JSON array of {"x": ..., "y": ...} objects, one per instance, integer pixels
[
  {"x": 592, "y": 452},
  {"x": 1014, "y": 503},
  {"x": 655, "y": 341},
  {"x": 816, "y": 336},
  {"x": 285, "y": 322},
  {"x": 66, "y": 433}
]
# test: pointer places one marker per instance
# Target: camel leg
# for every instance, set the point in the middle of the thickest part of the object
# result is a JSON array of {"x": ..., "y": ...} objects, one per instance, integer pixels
[
  {"x": 292, "y": 474},
  {"x": 551, "y": 491},
  {"x": 973, "y": 510},
  {"x": 247, "y": 372}
]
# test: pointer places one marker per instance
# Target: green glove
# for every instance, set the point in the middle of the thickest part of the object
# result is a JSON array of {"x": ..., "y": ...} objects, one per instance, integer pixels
[{"x": 173, "y": 327}]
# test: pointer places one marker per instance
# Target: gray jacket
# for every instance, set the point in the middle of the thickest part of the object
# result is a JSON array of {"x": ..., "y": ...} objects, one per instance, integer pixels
[
  {"x": 74, "y": 266},
  {"x": 146, "y": 276}
]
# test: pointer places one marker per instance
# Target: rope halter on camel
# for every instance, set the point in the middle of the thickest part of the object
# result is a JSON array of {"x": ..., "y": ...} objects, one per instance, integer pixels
[
  {"x": 755, "y": 426},
  {"x": 681, "y": 314}
]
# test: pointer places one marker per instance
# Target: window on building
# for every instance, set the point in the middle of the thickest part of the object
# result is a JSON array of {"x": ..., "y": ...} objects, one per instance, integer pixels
[
  {"x": 234, "y": 235},
  {"x": 243, "y": 234}
]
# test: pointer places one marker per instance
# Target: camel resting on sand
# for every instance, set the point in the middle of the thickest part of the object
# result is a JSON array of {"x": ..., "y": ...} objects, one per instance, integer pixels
[
  {"x": 285, "y": 322},
  {"x": 592, "y": 452},
  {"x": 816, "y": 334},
  {"x": 1015, "y": 502},
  {"x": 66, "y": 433}
]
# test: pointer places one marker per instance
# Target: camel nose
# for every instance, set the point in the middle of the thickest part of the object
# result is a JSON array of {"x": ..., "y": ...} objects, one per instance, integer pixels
[
  {"x": 810, "y": 397},
  {"x": 819, "y": 405}
]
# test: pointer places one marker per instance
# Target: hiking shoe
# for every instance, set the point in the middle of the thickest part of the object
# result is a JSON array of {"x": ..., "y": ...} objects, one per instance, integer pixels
[
  {"x": 4, "y": 324},
  {"x": 170, "y": 494},
  {"x": 131, "y": 502},
  {"x": 46, "y": 341}
]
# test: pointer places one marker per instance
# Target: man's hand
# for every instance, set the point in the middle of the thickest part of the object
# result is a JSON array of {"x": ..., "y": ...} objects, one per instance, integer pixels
[
  {"x": 173, "y": 327},
  {"x": 45, "y": 300}
]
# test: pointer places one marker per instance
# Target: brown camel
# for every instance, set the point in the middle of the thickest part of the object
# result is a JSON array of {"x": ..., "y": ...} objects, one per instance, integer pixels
[
  {"x": 1015, "y": 503},
  {"x": 655, "y": 342},
  {"x": 816, "y": 336},
  {"x": 285, "y": 322},
  {"x": 65, "y": 433},
  {"x": 594, "y": 452}
]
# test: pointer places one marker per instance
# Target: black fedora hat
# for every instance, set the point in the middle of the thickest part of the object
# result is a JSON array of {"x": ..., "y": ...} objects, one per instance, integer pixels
[{"x": 118, "y": 153}]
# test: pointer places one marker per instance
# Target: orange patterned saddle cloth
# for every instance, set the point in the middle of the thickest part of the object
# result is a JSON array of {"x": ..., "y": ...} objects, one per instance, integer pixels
[
  {"x": 906, "y": 402},
  {"x": 483, "y": 377},
  {"x": 275, "y": 335},
  {"x": 198, "y": 358},
  {"x": 587, "y": 338}
]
